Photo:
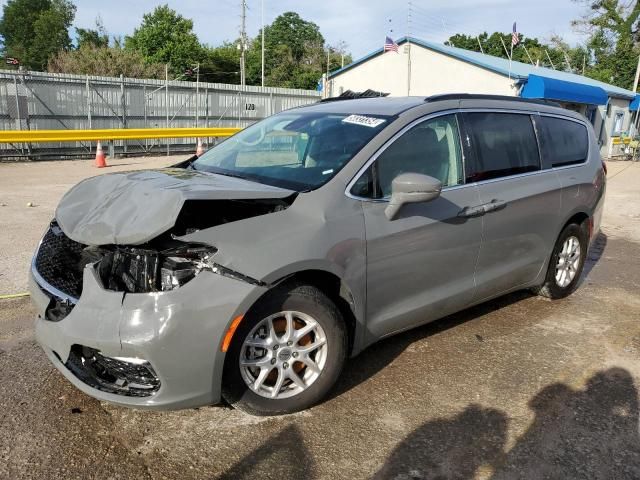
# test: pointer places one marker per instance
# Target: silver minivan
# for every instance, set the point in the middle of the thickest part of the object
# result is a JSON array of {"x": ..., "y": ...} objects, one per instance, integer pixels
[{"x": 252, "y": 273}]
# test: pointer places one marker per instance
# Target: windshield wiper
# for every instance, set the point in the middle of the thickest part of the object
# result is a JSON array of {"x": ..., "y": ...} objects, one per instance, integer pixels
[{"x": 229, "y": 174}]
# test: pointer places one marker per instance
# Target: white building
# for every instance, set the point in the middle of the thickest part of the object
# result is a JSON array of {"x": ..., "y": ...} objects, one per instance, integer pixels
[{"x": 425, "y": 68}]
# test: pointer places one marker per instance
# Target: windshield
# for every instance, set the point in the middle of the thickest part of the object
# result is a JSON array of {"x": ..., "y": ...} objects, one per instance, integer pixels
[{"x": 299, "y": 151}]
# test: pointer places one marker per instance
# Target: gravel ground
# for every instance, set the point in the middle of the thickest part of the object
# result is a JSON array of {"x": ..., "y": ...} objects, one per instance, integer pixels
[{"x": 520, "y": 387}]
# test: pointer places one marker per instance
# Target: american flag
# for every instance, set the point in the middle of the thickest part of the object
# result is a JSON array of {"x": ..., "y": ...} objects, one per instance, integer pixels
[
  {"x": 515, "y": 36},
  {"x": 390, "y": 45}
]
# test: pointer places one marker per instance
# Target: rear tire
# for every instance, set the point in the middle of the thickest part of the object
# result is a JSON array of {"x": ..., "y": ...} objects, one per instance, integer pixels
[
  {"x": 293, "y": 369},
  {"x": 566, "y": 263}
]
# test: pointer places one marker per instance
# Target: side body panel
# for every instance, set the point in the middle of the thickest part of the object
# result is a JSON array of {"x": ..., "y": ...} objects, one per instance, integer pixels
[
  {"x": 420, "y": 266},
  {"x": 517, "y": 239}
]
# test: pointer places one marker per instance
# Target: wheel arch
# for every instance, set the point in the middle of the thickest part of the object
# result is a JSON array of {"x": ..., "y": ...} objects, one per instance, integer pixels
[
  {"x": 334, "y": 287},
  {"x": 579, "y": 217}
]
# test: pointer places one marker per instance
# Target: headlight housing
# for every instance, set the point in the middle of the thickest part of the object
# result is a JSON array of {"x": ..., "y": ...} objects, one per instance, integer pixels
[
  {"x": 183, "y": 264},
  {"x": 142, "y": 270}
]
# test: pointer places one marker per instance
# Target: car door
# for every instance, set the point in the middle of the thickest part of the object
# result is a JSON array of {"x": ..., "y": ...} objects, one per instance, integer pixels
[
  {"x": 420, "y": 265},
  {"x": 520, "y": 199}
]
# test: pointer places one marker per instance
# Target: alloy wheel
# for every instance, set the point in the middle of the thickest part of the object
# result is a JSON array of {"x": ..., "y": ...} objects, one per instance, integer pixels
[
  {"x": 568, "y": 262},
  {"x": 283, "y": 355}
]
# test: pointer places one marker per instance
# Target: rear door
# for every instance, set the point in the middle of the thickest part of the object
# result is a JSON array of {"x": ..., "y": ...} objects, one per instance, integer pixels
[{"x": 521, "y": 199}]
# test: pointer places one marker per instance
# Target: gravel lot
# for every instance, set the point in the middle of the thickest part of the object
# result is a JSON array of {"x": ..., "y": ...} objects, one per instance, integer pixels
[{"x": 520, "y": 387}]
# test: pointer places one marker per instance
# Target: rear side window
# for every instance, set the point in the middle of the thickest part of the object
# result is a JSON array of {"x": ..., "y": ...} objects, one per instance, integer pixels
[
  {"x": 503, "y": 144},
  {"x": 565, "y": 142}
]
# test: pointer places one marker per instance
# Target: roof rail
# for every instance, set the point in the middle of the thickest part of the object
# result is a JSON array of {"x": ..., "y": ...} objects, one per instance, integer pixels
[
  {"x": 351, "y": 95},
  {"x": 480, "y": 96}
]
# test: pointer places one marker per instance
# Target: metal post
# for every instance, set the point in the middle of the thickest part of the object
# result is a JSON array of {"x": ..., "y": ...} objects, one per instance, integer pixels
[
  {"x": 408, "y": 49},
  {"x": 262, "y": 69},
  {"x": 144, "y": 93},
  {"x": 166, "y": 99},
  {"x": 206, "y": 106},
  {"x": 88, "y": 87},
  {"x": 635, "y": 82},
  {"x": 123, "y": 105},
  {"x": 18, "y": 113},
  {"x": 549, "y": 58},
  {"x": 198, "y": 95},
  {"x": 243, "y": 42}
]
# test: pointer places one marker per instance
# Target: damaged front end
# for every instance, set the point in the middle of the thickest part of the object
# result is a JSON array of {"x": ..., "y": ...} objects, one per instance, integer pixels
[{"x": 161, "y": 265}]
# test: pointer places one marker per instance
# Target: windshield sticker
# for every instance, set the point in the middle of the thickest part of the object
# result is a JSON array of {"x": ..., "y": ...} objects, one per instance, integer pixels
[
  {"x": 327, "y": 172},
  {"x": 362, "y": 120}
]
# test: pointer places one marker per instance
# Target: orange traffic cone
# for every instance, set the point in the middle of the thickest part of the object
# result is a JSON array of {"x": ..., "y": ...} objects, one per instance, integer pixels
[
  {"x": 100, "y": 158},
  {"x": 199, "y": 149}
]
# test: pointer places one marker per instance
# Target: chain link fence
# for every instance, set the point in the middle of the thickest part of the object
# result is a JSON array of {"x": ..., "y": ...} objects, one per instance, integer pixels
[{"x": 47, "y": 101}]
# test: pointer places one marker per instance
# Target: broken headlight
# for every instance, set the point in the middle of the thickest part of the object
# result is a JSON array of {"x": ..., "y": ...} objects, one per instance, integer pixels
[
  {"x": 183, "y": 264},
  {"x": 142, "y": 270}
]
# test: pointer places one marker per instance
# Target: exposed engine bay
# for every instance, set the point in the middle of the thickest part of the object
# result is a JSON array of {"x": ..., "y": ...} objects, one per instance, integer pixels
[{"x": 162, "y": 264}]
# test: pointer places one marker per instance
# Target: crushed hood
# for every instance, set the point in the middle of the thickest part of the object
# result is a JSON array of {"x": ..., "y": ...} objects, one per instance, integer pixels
[{"x": 131, "y": 208}]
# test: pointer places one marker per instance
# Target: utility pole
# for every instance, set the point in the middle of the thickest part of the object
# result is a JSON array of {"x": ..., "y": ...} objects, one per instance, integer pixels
[
  {"x": 408, "y": 48},
  {"x": 243, "y": 40},
  {"x": 480, "y": 44},
  {"x": 262, "y": 16},
  {"x": 328, "y": 59}
]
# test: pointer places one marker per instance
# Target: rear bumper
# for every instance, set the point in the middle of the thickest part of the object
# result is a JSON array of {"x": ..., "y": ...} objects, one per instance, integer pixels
[{"x": 179, "y": 333}]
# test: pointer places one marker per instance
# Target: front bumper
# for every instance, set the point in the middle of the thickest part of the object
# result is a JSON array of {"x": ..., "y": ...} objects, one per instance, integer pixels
[{"x": 178, "y": 332}]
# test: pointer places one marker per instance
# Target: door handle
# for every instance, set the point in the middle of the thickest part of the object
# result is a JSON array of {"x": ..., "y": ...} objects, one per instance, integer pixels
[
  {"x": 492, "y": 206},
  {"x": 469, "y": 212}
]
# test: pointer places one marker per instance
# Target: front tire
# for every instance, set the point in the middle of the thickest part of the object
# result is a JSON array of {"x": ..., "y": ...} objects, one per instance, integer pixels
[
  {"x": 566, "y": 263},
  {"x": 287, "y": 353}
]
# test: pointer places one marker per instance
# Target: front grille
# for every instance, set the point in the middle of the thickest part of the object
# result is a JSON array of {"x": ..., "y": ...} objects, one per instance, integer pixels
[
  {"x": 59, "y": 262},
  {"x": 112, "y": 375}
]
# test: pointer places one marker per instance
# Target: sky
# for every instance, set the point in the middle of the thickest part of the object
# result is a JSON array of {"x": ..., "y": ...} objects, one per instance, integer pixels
[{"x": 362, "y": 25}]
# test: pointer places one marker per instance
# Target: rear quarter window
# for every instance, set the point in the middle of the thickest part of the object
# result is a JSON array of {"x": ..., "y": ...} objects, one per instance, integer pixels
[
  {"x": 564, "y": 142},
  {"x": 503, "y": 144}
]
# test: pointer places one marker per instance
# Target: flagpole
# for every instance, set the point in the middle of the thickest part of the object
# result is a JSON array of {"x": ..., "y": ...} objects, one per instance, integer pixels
[{"x": 510, "y": 59}]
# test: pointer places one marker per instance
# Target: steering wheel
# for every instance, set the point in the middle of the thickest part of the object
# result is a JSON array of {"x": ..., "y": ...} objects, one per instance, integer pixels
[{"x": 260, "y": 138}]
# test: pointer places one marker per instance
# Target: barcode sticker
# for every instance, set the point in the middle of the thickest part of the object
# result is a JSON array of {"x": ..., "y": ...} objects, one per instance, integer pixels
[{"x": 365, "y": 121}]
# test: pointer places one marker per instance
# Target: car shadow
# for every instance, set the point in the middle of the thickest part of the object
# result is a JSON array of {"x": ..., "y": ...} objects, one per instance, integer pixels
[
  {"x": 283, "y": 455},
  {"x": 589, "y": 432},
  {"x": 594, "y": 255},
  {"x": 576, "y": 433},
  {"x": 377, "y": 356}
]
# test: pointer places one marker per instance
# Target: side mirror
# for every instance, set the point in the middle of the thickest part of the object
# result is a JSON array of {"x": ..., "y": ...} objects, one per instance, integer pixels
[{"x": 411, "y": 188}]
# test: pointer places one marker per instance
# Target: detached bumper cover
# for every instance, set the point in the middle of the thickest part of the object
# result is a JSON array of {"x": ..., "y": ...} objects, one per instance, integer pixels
[{"x": 178, "y": 333}]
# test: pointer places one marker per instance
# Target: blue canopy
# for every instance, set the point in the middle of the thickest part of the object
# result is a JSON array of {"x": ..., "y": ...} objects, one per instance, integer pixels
[
  {"x": 635, "y": 103},
  {"x": 563, "y": 91}
]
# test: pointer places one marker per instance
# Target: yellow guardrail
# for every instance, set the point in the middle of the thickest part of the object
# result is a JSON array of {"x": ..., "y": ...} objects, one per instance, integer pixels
[
  {"x": 36, "y": 136},
  {"x": 621, "y": 140}
]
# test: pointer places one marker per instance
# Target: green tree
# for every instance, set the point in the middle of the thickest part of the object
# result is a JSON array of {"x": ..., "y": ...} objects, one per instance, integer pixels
[
  {"x": 98, "y": 37},
  {"x": 295, "y": 55},
  {"x": 614, "y": 39},
  {"x": 529, "y": 50},
  {"x": 34, "y": 30},
  {"x": 221, "y": 64},
  {"x": 107, "y": 61},
  {"x": 166, "y": 37}
]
